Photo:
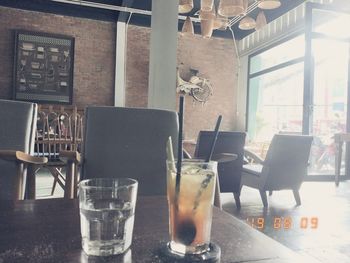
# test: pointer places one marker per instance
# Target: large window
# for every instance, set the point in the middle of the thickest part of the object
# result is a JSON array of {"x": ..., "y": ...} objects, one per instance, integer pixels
[
  {"x": 304, "y": 91},
  {"x": 284, "y": 52},
  {"x": 275, "y": 104},
  {"x": 328, "y": 40}
]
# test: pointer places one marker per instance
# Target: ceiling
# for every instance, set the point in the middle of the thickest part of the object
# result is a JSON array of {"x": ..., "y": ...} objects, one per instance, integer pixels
[{"x": 137, "y": 19}]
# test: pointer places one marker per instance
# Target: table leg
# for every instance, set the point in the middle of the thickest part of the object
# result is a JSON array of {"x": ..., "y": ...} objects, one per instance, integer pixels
[
  {"x": 338, "y": 155},
  {"x": 69, "y": 188},
  {"x": 31, "y": 181}
]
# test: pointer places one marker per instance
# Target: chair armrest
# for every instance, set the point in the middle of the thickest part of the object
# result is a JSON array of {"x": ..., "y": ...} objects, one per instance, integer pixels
[
  {"x": 186, "y": 154},
  {"x": 224, "y": 157},
  {"x": 72, "y": 156},
  {"x": 11, "y": 155},
  {"x": 253, "y": 156}
]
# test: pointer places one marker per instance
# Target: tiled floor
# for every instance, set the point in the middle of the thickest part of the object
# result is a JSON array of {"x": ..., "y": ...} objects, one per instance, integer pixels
[
  {"x": 325, "y": 214},
  {"x": 44, "y": 183},
  {"x": 319, "y": 228}
]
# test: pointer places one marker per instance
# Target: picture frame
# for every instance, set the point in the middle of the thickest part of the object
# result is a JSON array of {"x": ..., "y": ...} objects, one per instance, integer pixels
[{"x": 43, "y": 67}]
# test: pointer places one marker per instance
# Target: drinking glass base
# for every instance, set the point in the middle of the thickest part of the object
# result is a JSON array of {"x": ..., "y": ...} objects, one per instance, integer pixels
[
  {"x": 104, "y": 248},
  {"x": 212, "y": 255}
]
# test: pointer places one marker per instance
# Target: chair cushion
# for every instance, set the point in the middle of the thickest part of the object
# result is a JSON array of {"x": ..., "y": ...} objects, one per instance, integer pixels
[{"x": 253, "y": 169}]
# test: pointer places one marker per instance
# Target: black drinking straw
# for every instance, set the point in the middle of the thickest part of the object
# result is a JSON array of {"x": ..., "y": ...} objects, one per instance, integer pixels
[
  {"x": 216, "y": 132},
  {"x": 207, "y": 160},
  {"x": 179, "y": 149}
]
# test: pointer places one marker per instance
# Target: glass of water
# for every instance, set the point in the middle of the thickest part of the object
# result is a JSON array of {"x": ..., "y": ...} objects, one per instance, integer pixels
[{"x": 107, "y": 208}]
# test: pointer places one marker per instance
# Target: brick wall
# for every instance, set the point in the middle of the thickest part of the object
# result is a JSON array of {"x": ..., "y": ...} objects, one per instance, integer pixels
[
  {"x": 215, "y": 60},
  {"x": 94, "y": 65},
  {"x": 137, "y": 66},
  {"x": 94, "y": 60}
]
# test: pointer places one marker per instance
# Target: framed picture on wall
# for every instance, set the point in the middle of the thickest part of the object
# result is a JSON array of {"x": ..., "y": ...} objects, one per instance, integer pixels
[{"x": 43, "y": 67}]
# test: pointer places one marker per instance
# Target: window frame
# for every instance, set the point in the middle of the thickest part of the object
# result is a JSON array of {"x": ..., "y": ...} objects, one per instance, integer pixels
[
  {"x": 307, "y": 30},
  {"x": 269, "y": 69}
]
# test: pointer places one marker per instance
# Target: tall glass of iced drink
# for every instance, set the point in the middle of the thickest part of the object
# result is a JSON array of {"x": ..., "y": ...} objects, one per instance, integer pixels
[{"x": 190, "y": 205}]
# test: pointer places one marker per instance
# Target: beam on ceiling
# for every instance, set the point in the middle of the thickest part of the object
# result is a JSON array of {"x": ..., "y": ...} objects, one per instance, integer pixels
[
  {"x": 250, "y": 9},
  {"x": 127, "y": 9},
  {"x": 116, "y": 8},
  {"x": 123, "y": 16}
]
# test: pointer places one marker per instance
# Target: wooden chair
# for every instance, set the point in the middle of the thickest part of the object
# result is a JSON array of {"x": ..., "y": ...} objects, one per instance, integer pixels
[
  {"x": 58, "y": 130},
  {"x": 17, "y": 165},
  {"x": 284, "y": 167},
  {"x": 229, "y": 173},
  {"x": 124, "y": 142}
]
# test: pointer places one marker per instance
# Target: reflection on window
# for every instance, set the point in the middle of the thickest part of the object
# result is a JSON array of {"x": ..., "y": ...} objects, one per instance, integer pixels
[
  {"x": 284, "y": 52},
  {"x": 333, "y": 24},
  {"x": 275, "y": 103},
  {"x": 330, "y": 101},
  {"x": 275, "y": 96}
]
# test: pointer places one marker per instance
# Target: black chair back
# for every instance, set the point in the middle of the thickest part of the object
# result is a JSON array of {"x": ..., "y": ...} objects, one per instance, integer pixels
[
  {"x": 286, "y": 161},
  {"x": 230, "y": 173},
  {"x": 17, "y": 132},
  {"x": 129, "y": 142}
]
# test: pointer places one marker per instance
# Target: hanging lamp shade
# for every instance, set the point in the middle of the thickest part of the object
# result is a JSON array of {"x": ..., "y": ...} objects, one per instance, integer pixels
[
  {"x": 207, "y": 5},
  {"x": 230, "y": 8},
  {"x": 260, "y": 21},
  {"x": 185, "y": 6},
  {"x": 204, "y": 15},
  {"x": 245, "y": 6},
  {"x": 207, "y": 22},
  {"x": 220, "y": 22},
  {"x": 247, "y": 23},
  {"x": 187, "y": 28},
  {"x": 207, "y": 27},
  {"x": 269, "y": 4}
]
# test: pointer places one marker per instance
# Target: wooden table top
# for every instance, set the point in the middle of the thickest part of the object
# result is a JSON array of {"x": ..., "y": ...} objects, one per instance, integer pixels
[{"x": 49, "y": 231}]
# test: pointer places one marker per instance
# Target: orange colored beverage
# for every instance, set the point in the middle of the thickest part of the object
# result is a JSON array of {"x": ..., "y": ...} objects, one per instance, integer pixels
[{"x": 190, "y": 211}]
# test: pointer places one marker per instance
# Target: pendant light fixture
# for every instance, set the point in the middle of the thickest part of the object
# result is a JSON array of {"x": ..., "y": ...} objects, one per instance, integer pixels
[
  {"x": 207, "y": 5},
  {"x": 269, "y": 4},
  {"x": 260, "y": 21},
  {"x": 185, "y": 6},
  {"x": 187, "y": 28},
  {"x": 207, "y": 22},
  {"x": 220, "y": 22},
  {"x": 210, "y": 19},
  {"x": 230, "y": 8},
  {"x": 245, "y": 6},
  {"x": 247, "y": 23},
  {"x": 207, "y": 27}
]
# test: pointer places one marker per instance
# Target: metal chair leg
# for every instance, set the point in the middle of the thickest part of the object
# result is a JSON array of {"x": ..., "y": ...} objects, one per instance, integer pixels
[
  {"x": 297, "y": 197},
  {"x": 53, "y": 186},
  {"x": 237, "y": 200},
  {"x": 264, "y": 198}
]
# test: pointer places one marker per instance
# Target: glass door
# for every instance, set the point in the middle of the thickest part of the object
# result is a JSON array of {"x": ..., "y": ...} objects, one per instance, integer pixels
[
  {"x": 275, "y": 103},
  {"x": 327, "y": 86}
]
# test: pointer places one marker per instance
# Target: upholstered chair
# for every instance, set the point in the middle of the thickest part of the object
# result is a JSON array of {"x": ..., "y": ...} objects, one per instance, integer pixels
[
  {"x": 17, "y": 130},
  {"x": 284, "y": 167}
]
